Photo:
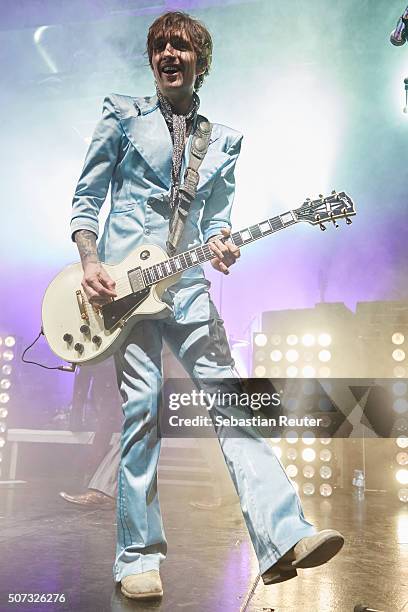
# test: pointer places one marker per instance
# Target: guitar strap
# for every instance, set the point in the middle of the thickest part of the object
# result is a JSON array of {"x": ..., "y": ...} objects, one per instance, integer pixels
[{"x": 188, "y": 189}]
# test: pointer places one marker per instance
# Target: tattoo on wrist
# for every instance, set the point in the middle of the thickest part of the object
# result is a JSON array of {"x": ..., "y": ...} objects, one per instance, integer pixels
[{"x": 86, "y": 243}]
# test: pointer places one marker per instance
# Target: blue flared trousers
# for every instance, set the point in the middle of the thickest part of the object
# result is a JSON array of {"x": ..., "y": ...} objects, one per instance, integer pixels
[{"x": 269, "y": 502}]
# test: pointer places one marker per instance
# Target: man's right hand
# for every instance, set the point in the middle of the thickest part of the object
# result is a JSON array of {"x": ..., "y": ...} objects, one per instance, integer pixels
[{"x": 97, "y": 284}]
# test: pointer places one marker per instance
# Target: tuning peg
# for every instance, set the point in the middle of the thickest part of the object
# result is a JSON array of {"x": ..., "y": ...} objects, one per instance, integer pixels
[
  {"x": 334, "y": 220},
  {"x": 322, "y": 227},
  {"x": 348, "y": 221}
]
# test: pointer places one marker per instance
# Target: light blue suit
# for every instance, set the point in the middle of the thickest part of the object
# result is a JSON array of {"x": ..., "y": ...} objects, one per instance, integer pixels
[{"x": 131, "y": 150}]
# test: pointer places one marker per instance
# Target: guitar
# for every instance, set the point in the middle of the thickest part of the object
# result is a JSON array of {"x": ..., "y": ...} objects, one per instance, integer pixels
[{"x": 81, "y": 333}]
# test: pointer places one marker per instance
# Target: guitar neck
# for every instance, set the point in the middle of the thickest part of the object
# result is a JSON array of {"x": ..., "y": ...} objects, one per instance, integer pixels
[{"x": 203, "y": 253}]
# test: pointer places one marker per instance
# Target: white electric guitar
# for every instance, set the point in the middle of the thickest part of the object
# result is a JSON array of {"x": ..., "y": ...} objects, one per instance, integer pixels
[{"x": 83, "y": 334}]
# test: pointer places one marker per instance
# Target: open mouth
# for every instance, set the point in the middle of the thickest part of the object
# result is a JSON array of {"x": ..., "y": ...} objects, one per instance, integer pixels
[{"x": 171, "y": 69}]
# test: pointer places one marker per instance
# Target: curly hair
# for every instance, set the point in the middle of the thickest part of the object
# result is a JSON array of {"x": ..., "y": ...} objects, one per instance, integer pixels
[{"x": 176, "y": 22}]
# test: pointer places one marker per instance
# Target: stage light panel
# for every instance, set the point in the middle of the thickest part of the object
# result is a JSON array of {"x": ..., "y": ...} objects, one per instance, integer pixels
[
  {"x": 402, "y": 476},
  {"x": 292, "y": 470},
  {"x": 308, "y": 340},
  {"x": 292, "y": 356},
  {"x": 326, "y": 490},
  {"x": 261, "y": 340},
  {"x": 402, "y": 458},
  {"x": 402, "y": 441},
  {"x": 324, "y": 340},
  {"x": 308, "y": 372},
  {"x": 308, "y": 488},
  {"x": 398, "y": 338},
  {"x": 325, "y": 472},
  {"x": 308, "y": 438},
  {"x": 325, "y": 455},
  {"x": 308, "y": 454},
  {"x": 260, "y": 371},
  {"x": 403, "y": 495},
  {"x": 309, "y": 471},
  {"x": 398, "y": 355}
]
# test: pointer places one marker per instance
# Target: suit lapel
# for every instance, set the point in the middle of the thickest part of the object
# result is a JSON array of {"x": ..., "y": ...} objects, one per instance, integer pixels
[{"x": 150, "y": 135}]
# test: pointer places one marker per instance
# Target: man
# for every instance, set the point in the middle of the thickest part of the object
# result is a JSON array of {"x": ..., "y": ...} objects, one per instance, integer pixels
[{"x": 140, "y": 147}]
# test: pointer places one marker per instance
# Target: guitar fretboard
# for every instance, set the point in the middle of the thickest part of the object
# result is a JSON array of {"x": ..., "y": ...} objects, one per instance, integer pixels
[{"x": 203, "y": 253}]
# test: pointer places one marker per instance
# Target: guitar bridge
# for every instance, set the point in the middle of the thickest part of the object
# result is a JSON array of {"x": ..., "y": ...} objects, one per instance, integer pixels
[{"x": 81, "y": 305}]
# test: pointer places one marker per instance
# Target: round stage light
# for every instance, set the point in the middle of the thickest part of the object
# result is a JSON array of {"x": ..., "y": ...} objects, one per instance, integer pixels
[
  {"x": 324, "y": 340},
  {"x": 308, "y": 488},
  {"x": 278, "y": 451},
  {"x": 399, "y": 372},
  {"x": 292, "y": 340},
  {"x": 397, "y": 338},
  {"x": 1, "y": 456},
  {"x": 2, "y": 442},
  {"x": 1, "y": 340},
  {"x": 5, "y": 383},
  {"x": 292, "y": 471},
  {"x": 276, "y": 355},
  {"x": 4, "y": 398},
  {"x": 8, "y": 355},
  {"x": 3, "y": 427},
  {"x": 308, "y": 340},
  {"x": 325, "y": 441},
  {"x": 308, "y": 454},
  {"x": 275, "y": 440},
  {"x": 261, "y": 340},
  {"x": 325, "y": 472},
  {"x": 402, "y": 476},
  {"x": 9, "y": 341},
  {"x": 308, "y": 438},
  {"x": 402, "y": 441},
  {"x": 292, "y": 356},
  {"x": 6, "y": 369},
  {"x": 276, "y": 339},
  {"x": 324, "y": 355},
  {"x": 403, "y": 495},
  {"x": 398, "y": 355},
  {"x": 3, "y": 413},
  {"x": 325, "y": 455},
  {"x": 260, "y": 356},
  {"x": 324, "y": 372},
  {"x": 292, "y": 454},
  {"x": 399, "y": 388},
  {"x": 292, "y": 371},
  {"x": 400, "y": 406},
  {"x": 402, "y": 458},
  {"x": 325, "y": 490},
  {"x": 260, "y": 371},
  {"x": 291, "y": 437},
  {"x": 275, "y": 372},
  {"x": 308, "y": 471},
  {"x": 401, "y": 426},
  {"x": 308, "y": 372}
]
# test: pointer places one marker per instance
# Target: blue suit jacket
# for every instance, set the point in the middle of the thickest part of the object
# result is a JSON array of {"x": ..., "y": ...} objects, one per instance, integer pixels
[{"x": 131, "y": 151}]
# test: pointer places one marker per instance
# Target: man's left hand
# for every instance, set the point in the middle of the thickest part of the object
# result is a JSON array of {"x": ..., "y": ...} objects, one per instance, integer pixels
[{"x": 226, "y": 253}]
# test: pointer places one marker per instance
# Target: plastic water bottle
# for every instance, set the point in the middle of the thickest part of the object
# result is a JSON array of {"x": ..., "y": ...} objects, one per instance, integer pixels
[{"x": 359, "y": 484}]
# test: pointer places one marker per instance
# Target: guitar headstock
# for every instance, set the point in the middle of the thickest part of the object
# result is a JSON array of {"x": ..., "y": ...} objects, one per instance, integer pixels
[{"x": 327, "y": 209}]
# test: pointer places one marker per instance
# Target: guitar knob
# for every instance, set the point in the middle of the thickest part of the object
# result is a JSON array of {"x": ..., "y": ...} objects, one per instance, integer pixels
[
  {"x": 84, "y": 329},
  {"x": 97, "y": 340},
  {"x": 79, "y": 348},
  {"x": 67, "y": 338}
]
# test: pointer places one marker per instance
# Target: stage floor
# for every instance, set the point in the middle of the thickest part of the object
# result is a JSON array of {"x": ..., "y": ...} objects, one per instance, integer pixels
[{"x": 48, "y": 546}]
